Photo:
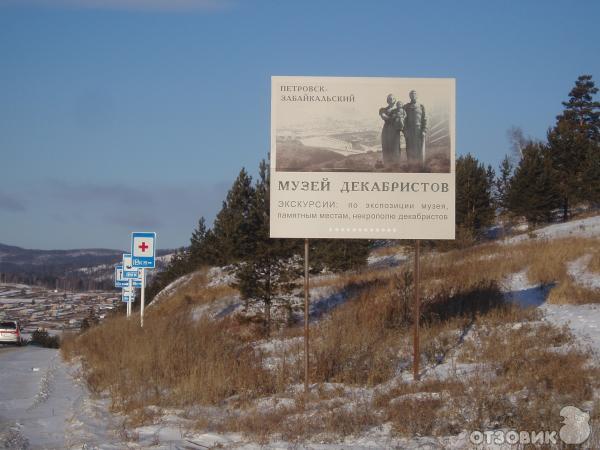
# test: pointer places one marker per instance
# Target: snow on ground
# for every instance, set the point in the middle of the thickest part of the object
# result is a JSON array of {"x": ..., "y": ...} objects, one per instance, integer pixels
[
  {"x": 43, "y": 403},
  {"x": 170, "y": 288},
  {"x": 588, "y": 228},
  {"x": 324, "y": 299},
  {"x": 578, "y": 271},
  {"x": 519, "y": 290},
  {"x": 41, "y": 406},
  {"x": 376, "y": 438},
  {"x": 386, "y": 260},
  {"x": 583, "y": 320},
  {"x": 219, "y": 308},
  {"x": 220, "y": 275}
]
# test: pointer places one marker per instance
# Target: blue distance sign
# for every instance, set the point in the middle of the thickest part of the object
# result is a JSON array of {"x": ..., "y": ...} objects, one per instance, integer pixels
[
  {"x": 128, "y": 270},
  {"x": 132, "y": 274},
  {"x": 143, "y": 245},
  {"x": 128, "y": 293},
  {"x": 119, "y": 277}
]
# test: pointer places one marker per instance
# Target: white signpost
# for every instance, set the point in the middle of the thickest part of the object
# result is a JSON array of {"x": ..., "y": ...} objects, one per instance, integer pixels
[
  {"x": 128, "y": 285},
  {"x": 143, "y": 256},
  {"x": 128, "y": 296}
]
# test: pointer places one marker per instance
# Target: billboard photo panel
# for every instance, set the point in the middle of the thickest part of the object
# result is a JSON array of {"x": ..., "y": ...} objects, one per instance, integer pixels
[{"x": 370, "y": 158}]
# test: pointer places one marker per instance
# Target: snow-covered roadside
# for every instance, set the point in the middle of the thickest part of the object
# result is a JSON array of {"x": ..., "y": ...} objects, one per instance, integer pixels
[
  {"x": 42, "y": 405},
  {"x": 58, "y": 395}
]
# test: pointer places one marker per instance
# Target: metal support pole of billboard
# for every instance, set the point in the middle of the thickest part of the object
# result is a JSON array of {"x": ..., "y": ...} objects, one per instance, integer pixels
[
  {"x": 306, "y": 299},
  {"x": 417, "y": 277},
  {"x": 142, "y": 301}
]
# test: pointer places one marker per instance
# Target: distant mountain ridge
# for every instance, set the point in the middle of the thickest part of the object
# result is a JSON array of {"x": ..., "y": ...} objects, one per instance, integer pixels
[
  {"x": 19, "y": 255},
  {"x": 88, "y": 268}
]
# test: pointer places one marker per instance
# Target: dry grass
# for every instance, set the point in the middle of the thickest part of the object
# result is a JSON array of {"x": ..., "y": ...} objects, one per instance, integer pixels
[
  {"x": 544, "y": 261},
  {"x": 594, "y": 264},
  {"x": 363, "y": 343},
  {"x": 569, "y": 292},
  {"x": 524, "y": 381},
  {"x": 193, "y": 292},
  {"x": 326, "y": 422},
  {"x": 393, "y": 249},
  {"x": 171, "y": 362}
]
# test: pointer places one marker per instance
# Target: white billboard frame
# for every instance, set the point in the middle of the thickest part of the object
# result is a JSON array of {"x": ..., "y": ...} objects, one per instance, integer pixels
[{"x": 361, "y": 192}]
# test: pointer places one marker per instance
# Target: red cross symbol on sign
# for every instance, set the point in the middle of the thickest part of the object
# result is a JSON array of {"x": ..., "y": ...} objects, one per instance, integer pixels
[{"x": 143, "y": 246}]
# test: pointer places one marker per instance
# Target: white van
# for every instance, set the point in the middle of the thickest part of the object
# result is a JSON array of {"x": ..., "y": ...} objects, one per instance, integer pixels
[{"x": 10, "y": 332}]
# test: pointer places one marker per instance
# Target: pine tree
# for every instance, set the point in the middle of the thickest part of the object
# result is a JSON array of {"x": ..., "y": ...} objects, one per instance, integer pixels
[
  {"x": 581, "y": 110},
  {"x": 568, "y": 149},
  {"x": 591, "y": 175},
  {"x": 270, "y": 270},
  {"x": 474, "y": 207},
  {"x": 502, "y": 184},
  {"x": 490, "y": 173},
  {"x": 574, "y": 143},
  {"x": 232, "y": 239},
  {"x": 198, "y": 251},
  {"x": 533, "y": 192},
  {"x": 338, "y": 255}
]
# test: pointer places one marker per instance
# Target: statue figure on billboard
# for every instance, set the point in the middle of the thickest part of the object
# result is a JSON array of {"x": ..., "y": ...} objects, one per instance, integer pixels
[
  {"x": 393, "y": 118},
  {"x": 415, "y": 128}
]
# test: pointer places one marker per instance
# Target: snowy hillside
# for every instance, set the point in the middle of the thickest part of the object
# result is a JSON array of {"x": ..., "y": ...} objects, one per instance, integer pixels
[{"x": 502, "y": 362}]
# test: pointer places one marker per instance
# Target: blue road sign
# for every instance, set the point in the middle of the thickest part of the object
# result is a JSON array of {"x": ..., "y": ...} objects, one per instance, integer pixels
[
  {"x": 128, "y": 293},
  {"x": 143, "y": 245},
  {"x": 119, "y": 277},
  {"x": 132, "y": 274},
  {"x": 128, "y": 270}
]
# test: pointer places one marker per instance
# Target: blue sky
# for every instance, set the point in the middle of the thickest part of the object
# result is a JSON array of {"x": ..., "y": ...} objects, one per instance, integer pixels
[{"x": 118, "y": 115}]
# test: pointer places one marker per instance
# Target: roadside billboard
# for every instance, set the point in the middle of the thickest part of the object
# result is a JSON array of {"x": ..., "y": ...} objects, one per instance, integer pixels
[{"x": 364, "y": 158}]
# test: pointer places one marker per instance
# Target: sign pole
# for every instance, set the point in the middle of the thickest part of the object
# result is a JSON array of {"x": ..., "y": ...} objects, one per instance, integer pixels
[
  {"x": 142, "y": 301},
  {"x": 130, "y": 302},
  {"x": 417, "y": 276},
  {"x": 306, "y": 301}
]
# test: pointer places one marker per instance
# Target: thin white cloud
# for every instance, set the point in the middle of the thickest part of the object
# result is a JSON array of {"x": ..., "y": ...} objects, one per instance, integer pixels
[{"x": 127, "y": 5}]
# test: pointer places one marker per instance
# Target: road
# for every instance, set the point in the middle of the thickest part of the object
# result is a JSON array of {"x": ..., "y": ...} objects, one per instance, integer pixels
[
  {"x": 43, "y": 405},
  {"x": 28, "y": 377}
]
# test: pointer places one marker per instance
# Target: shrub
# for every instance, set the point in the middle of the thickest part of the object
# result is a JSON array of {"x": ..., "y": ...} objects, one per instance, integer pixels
[{"x": 42, "y": 338}]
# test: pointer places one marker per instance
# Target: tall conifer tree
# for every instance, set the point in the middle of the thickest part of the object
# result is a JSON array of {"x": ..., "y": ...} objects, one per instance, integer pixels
[
  {"x": 533, "y": 192},
  {"x": 270, "y": 270},
  {"x": 574, "y": 143},
  {"x": 474, "y": 206}
]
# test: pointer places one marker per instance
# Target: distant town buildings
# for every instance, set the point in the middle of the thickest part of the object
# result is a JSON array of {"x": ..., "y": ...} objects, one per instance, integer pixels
[{"x": 54, "y": 310}]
